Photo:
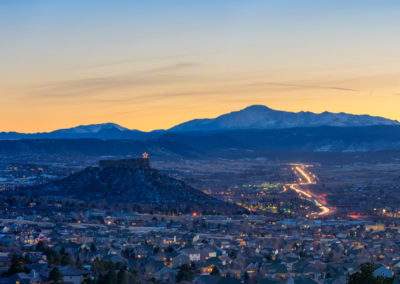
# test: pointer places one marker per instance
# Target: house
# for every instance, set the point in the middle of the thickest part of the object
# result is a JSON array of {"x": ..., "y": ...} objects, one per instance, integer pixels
[
  {"x": 268, "y": 281},
  {"x": 4, "y": 258},
  {"x": 225, "y": 260},
  {"x": 207, "y": 267},
  {"x": 152, "y": 267},
  {"x": 193, "y": 254},
  {"x": 72, "y": 275},
  {"x": 383, "y": 271},
  {"x": 301, "y": 280},
  {"x": 396, "y": 267},
  {"x": 165, "y": 274},
  {"x": 180, "y": 260},
  {"x": 339, "y": 280},
  {"x": 252, "y": 268},
  {"x": 210, "y": 279},
  {"x": 26, "y": 278},
  {"x": 233, "y": 270},
  {"x": 207, "y": 253},
  {"x": 277, "y": 270}
]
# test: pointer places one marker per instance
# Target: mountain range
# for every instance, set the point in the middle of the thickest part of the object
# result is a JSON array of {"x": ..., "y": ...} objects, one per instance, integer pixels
[
  {"x": 262, "y": 117},
  {"x": 256, "y": 117}
]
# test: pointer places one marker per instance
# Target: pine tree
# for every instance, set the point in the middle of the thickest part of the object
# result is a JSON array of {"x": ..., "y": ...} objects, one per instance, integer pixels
[{"x": 56, "y": 276}]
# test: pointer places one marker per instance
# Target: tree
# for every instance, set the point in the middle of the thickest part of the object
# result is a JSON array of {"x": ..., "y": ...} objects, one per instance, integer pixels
[
  {"x": 79, "y": 262},
  {"x": 232, "y": 254},
  {"x": 185, "y": 273},
  {"x": 16, "y": 265},
  {"x": 53, "y": 257},
  {"x": 93, "y": 247},
  {"x": 98, "y": 266},
  {"x": 366, "y": 275},
  {"x": 122, "y": 277},
  {"x": 215, "y": 271},
  {"x": 302, "y": 254},
  {"x": 110, "y": 278},
  {"x": 27, "y": 259},
  {"x": 55, "y": 276},
  {"x": 246, "y": 277},
  {"x": 156, "y": 250},
  {"x": 67, "y": 259},
  {"x": 268, "y": 256},
  {"x": 40, "y": 246}
]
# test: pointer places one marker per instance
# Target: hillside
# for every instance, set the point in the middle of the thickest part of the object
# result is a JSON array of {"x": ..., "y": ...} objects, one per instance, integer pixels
[{"x": 131, "y": 188}]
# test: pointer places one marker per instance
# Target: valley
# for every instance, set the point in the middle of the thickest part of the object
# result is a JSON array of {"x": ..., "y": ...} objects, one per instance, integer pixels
[
  {"x": 277, "y": 210},
  {"x": 307, "y": 178}
]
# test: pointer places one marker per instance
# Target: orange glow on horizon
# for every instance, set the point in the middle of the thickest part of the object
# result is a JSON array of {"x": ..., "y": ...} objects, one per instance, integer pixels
[
  {"x": 148, "y": 118},
  {"x": 146, "y": 65}
]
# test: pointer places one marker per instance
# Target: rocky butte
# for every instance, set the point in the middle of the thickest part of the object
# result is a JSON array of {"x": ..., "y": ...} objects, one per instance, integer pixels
[
  {"x": 135, "y": 163},
  {"x": 130, "y": 185}
]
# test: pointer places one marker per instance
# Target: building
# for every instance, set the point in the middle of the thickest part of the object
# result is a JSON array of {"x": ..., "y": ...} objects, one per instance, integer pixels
[{"x": 135, "y": 163}]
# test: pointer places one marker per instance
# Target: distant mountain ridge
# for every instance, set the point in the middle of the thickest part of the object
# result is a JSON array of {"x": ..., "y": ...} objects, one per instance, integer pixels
[
  {"x": 228, "y": 143},
  {"x": 251, "y": 118},
  {"x": 262, "y": 117},
  {"x": 105, "y": 131},
  {"x": 92, "y": 128}
]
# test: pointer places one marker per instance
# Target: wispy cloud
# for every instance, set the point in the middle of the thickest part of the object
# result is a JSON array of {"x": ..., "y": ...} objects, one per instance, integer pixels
[
  {"x": 142, "y": 59},
  {"x": 303, "y": 86},
  {"x": 141, "y": 87},
  {"x": 231, "y": 89},
  {"x": 87, "y": 86},
  {"x": 172, "y": 67}
]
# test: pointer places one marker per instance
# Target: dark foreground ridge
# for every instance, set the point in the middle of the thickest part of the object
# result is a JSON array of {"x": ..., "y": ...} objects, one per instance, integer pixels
[
  {"x": 132, "y": 187},
  {"x": 226, "y": 144}
]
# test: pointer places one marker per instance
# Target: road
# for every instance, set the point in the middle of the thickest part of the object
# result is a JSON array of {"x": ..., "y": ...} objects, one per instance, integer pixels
[{"x": 307, "y": 178}]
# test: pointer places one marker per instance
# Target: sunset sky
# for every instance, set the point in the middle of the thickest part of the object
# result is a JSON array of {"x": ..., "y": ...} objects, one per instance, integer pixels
[{"x": 153, "y": 64}]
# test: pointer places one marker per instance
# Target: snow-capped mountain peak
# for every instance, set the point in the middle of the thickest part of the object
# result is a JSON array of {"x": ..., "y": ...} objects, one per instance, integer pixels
[
  {"x": 93, "y": 128},
  {"x": 262, "y": 117}
]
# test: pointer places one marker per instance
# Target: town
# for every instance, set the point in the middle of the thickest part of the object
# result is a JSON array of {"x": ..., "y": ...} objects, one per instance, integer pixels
[{"x": 289, "y": 235}]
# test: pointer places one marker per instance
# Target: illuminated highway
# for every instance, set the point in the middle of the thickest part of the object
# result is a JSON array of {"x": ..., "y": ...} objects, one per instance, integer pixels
[{"x": 307, "y": 178}]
